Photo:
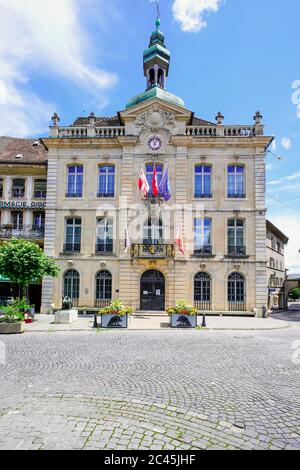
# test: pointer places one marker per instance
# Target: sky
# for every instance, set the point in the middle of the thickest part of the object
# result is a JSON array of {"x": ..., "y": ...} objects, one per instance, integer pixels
[{"x": 233, "y": 56}]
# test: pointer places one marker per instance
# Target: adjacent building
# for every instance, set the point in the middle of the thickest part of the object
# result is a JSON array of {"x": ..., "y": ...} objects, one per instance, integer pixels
[
  {"x": 276, "y": 243},
  {"x": 23, "y": 186},
  {"x": 112, "y": 241}
]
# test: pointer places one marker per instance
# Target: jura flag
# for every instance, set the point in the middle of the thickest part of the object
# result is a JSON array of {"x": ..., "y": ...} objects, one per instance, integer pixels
[
  {"x": 154, "y": 183},
  {"x": 127, "y": 240},
  {"x": 143, "y": 183},
  {"x": 179, "y": 241}
]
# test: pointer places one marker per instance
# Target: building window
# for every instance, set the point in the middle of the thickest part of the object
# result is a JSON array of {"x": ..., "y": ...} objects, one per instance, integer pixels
[
  {"x": 18, "y": 188},
  {"x": 38, "y": 220},
  {"x": 103, "y": 288},
  {"x": 202, "y": 237},
  {"x": 203, "y": 181},
  {"x": 273, "y": 243},
  {"x": 106, "y": 181},
  {"x": 1, "y": 187},
  {"x": 149, "y": 174},
  {"x": 104, "y": 235},
  {"x": 236, "y": 237},
  {"x": 73, "y": 235},
  {"x": 278, "y": 247},
  {"x": 72, "y": 285},
  {"x": 75, "y": 181},
  {"x": 17, "y": 220},
  {"x": 272, "y": 263},
  {"x": 40, "y": 189},
  {"x": 236, "y": 292},
  {"x": 202, "y": 291},
  {"x": 236, "y": 183},
  {"x": 153, "y": 231}
]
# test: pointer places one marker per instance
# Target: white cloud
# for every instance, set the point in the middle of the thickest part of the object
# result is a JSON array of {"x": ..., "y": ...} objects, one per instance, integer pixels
[
  {"x": 292, "y": 177},
  {"x": 45, "y": 36},
  {"x": 289, "y": 225},
  {"x": 274, "y": 145},
  {"x": 286, "y": 143},
  {"x": 190, "y": 13},
  {"x": 269, "y": 167}
]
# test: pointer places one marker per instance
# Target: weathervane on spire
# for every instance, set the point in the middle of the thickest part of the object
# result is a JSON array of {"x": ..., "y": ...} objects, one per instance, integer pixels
[{"x": 157, "y": 8}]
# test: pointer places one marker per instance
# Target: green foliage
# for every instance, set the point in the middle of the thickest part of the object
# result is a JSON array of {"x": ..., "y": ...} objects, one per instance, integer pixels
[
  {"x": 116, "y": 308},
  {"x": 23, "y": 261},
  {"x": 15, "y": 311},
  {"x": 295, "y": 293},
  {"x": 182, "y": 308}
]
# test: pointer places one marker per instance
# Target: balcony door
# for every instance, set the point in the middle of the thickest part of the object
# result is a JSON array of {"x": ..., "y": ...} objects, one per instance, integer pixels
[{"x": 152, "y": 291}]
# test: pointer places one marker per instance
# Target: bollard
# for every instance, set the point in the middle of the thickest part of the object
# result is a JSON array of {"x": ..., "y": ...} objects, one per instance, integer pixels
[
  {"x": 204, "y": 321},
  {"x": 95, "y": 325},
  {"x": 264, "y": 312}
]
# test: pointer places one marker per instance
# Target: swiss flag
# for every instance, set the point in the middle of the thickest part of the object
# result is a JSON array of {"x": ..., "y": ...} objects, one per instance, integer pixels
[
  {"x": 154, "y": 183},
  {"x": 179, "y": 241}
]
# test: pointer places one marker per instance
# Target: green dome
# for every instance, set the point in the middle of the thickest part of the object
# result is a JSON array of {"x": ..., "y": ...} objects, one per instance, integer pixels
[{"x": 155, "y": 92}]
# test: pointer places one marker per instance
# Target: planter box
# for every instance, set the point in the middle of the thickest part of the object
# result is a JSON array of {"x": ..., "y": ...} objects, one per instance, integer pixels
[
  {"x": 183, "y": 321},
  {"x": 114, "y": 321},
  {"x": 66, "y": 317},
  {"x": 12, "y": 328}
]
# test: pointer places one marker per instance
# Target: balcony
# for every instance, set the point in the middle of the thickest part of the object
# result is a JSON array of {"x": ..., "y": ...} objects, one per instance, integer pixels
[
  {"x": 108, "y": 194},
  {"x": 203, "y": 196},
  {"x": 104, "y": 248},
  {"x": 153, "y": 251},
  {"x": 236, "y": 196},
  {"x": 73, "y": 195},
  {"x": 204, "y": 251},
  {"x": 236, "y": 251},
  {"x": 23, "y": 231},
  {"x": 72, "y": 248}
]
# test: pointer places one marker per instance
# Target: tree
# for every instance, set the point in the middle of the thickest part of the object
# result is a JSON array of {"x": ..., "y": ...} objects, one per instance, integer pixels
[
  {"x": 295, "y": 293},
  {"x": 24, "y": 262}
]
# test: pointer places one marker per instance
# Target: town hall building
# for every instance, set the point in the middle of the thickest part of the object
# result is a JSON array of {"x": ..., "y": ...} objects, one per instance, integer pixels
[{"x": 205, "y": 243}]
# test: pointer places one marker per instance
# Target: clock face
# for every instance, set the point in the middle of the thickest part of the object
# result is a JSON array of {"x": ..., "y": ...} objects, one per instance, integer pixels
[{"x": 155, "y": 144}]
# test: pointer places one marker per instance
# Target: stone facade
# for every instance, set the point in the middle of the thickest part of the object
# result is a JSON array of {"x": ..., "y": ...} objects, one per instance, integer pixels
[
  {"x": 276, "y": 242},
  {"x": 231, "y": 275}
]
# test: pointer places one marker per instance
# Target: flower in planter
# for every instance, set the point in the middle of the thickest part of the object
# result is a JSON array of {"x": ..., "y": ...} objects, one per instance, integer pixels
[
  {"x": 116, "y": 308},
  {"x": 14, "y": 313},
  {"x": 182, "y": 308}
]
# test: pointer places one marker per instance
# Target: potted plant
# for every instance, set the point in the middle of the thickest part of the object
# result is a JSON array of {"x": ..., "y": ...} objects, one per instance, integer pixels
[
  {"x": 115, "y": 315},
  {"x": 12, "y": 317},
  {"x": 183, "y": 315}
]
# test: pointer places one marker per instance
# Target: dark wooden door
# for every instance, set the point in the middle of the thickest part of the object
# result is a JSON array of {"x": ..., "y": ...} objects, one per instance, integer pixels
[{"x": 152, "y": 291}]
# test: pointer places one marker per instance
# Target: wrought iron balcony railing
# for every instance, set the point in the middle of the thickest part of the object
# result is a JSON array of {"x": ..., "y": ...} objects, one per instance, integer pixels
[
  {"x": 22, "y": 231},
  {"x": 103, "y": 248},
  {"x": 236, "y": 251},
  {"x": 203, "y": 196},
  {"x": 205, "y": 250},
  {"x": 145, "y": 250},
  {"x": 74, "y": 194},
  {"x": 236, "y": 196},
  {"x": 40, "y": 194},
  {"x": 108, "y": 194},
  {"x": 72, "y": 248}
]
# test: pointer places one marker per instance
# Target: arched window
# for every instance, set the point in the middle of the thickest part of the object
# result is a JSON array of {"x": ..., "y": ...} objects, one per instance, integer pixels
[
  {"x": 203, "y": 181},
  {"x": 75, "y": 181},
  {"x": 161, "y": 78},
  {"x": 72, "y": 235},
  {"x": 104, "y": 235},
  {"x": 236, "y": 292},
  {"x": 236, "y": 181},
  {"x": 152, "y": 77},
  {"x": 149, "y": 174},
  {"x": 106, "y": 185},
  {"x": 202, "y": 291},
  {"x": 103, "y": 294},
  {"x": 18, "y": 188},
  {"x": 236, "y": 237},
  {"x": 71, "y": 285}
]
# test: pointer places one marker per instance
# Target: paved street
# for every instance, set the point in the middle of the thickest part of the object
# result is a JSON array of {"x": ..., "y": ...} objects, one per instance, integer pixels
[{"x": 151, "y": 390}]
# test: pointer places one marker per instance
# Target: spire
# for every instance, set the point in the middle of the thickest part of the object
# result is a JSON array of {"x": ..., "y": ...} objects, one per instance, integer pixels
[{"x": 156, "y": 58}]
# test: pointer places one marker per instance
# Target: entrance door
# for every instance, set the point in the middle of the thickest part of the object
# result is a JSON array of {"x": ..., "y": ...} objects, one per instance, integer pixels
[{"x": 152, "y": 290}]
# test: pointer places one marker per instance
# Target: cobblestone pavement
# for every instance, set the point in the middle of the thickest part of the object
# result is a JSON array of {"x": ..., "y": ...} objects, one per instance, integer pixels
[{"x": 151, "y": 390}]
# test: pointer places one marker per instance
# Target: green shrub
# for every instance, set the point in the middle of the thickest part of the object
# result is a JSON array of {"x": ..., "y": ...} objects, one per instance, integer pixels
[{"x": 182, "y": 308}]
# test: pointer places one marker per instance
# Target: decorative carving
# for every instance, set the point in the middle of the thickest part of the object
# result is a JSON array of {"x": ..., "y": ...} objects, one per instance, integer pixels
[
  {"x": 237, "y": 267},
  {"x": 155, "y": 119}
]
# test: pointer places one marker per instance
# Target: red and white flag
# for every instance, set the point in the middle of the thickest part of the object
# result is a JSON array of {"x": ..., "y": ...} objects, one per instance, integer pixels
[
  {"x": 143, "y": 183},
  {"x": 179, "y": 241},
  {"x": 154, "y": 183}
]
